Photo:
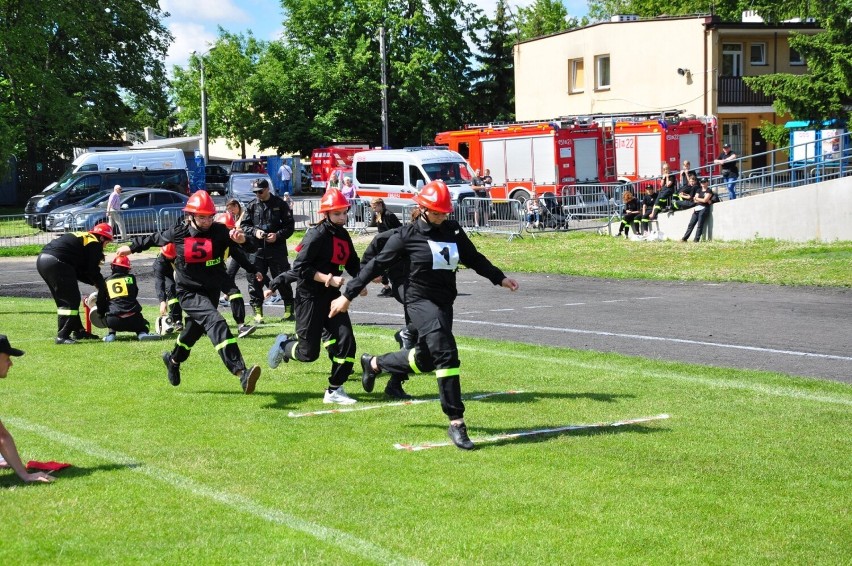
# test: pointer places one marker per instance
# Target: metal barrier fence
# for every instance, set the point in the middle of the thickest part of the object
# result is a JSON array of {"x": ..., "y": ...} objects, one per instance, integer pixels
[{"x": 577, "y": 207}]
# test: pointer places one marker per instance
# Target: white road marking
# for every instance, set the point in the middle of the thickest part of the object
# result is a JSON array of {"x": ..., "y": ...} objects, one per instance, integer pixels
[
  {"x": 343, "y": 541},
  {"x": 715, "y": 383}
]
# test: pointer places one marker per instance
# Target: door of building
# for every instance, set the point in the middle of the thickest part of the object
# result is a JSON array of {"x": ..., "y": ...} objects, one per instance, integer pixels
[{"x": 758, "y": 149}]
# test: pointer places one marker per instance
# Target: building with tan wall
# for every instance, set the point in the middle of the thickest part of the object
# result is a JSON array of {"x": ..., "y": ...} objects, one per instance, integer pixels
[{"x": 690, "y": 63}]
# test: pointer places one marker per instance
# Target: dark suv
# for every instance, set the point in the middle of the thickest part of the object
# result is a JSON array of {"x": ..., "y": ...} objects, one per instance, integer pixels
[{"x": 80, "y": 185}]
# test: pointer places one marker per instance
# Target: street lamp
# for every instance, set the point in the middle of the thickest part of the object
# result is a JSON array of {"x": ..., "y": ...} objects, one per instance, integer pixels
[{"x": 204, "y": 145}]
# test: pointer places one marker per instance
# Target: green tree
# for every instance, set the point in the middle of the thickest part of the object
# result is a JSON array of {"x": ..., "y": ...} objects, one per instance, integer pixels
[
  {"x": 494, "y": 87},
  {"x": 230, "y": 81},
  {"x": 68, "y": 68},
  {"x": 336, "y": 45},
  {"x": 728, "y": 10},
  {"x": 544, "y": 17},
  {"x": 825, "y": 92}
]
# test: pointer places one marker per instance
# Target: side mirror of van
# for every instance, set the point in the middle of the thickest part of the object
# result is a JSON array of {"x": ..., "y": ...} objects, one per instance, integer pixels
[{"x": 419, "y": 185}]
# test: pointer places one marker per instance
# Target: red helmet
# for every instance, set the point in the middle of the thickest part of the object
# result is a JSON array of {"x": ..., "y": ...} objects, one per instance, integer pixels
[
  {"x": 102, "y": 229},
  {"x": 333, "y": 199},
  {"x": 435, "y": 196},
  {"x": 200, "y": 203},
  {"x": 121, "y": 261},
  {"x": 169, "y": 251},
  {"x": 227, "y": 219}
]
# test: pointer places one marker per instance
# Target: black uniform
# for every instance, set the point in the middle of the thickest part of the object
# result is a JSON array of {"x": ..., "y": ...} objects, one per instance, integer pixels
[
  {"x": 62, "y": 263},
  {"x": 665, "y": 195},
  {"x": 125, "y": 312},
  {"x": 648, "y": 208},
  {"x": 433, "y": 254},
  {"x": 235, "y": 295},
  {"x": 384, "y": 222},
  {"x": 200, "y": 276},
  {"x": 684, "y": 197},
  {"x": 700, "y": 213},
  {"x": 630, "y": 217},
  {"x": 327, "y": 248},
  {"x": 272, "y": 215},
  {"x": 164, "y": 286}
]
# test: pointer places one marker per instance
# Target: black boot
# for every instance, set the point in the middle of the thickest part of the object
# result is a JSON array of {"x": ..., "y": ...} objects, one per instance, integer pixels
[{"x": 394, "y": 389}]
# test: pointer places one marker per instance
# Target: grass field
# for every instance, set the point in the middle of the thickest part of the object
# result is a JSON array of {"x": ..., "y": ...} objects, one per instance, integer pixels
[{"x": 750, "y": 468}]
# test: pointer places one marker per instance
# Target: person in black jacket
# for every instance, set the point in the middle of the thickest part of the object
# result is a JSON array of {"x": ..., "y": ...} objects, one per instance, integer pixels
[
  {"x": 433, "y": 248},
  {"x": 62, "y": 263},
  {"x": 125, "y": 312},
  {"x": 165, "y": 287},
  {"x": 267, "y": 223},
  {"x": 200, "y": 247},
  {"x": 324, "y": 254},
  {"x": 630, "y": 215},
  {"x": 384, "y": 221}
]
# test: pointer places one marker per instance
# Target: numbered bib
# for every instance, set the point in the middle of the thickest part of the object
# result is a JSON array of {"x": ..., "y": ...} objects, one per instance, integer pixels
[
  {"x": 340, "y": 251},
  {"x": 445, "y": 255},
  {"x": 197, "y": 250},
  {"x": 117, "y": 288}
]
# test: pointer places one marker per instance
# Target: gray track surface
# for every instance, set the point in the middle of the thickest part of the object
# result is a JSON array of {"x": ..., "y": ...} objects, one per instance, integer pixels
[{"x": 801, "y": 331}]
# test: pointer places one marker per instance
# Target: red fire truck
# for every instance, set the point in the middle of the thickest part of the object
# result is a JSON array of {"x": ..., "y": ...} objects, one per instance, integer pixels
[
  {"x": 324, "y": 160},
  {"x": 526, "y": 158},
  {"x": 643, "y": 144}
]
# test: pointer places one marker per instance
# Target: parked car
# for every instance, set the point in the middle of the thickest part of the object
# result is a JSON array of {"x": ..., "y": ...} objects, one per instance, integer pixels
[
  {"x": 144, "y": 211},
  {"x": 58, "y": 220},
  {"x": 239, "y": 186},
  {"x": 80, "y": 185},
  {"x": 216, "y": 179}
]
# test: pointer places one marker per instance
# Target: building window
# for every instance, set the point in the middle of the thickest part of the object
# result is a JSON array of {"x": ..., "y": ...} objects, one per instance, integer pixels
[
  {"x": 733, "y": 132},
  {"x": 732, "y": 60},
  {"x": 576, "y": 76},
  {"x": 796, "y": 57},
  {"x": 602, "y": 78},
  {"x": 758, "y": 54}
]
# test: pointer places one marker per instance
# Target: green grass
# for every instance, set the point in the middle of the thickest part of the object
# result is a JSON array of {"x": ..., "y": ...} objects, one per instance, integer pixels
[{"x": 751, "y": 468}]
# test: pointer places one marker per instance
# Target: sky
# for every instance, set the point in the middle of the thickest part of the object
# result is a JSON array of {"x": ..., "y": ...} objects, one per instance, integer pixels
[{"x": 194, "y": 24}]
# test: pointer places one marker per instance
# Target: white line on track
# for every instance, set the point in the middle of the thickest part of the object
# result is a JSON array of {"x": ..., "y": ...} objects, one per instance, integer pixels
[
  {"x": 633, "y": 337},
  {"x": 343, "y": 541},
  {"x": 788, "y": 392},
  {"x": 295, "y": 415}
]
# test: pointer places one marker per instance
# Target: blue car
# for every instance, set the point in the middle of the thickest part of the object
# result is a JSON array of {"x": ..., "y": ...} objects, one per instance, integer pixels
[{"x": 143, "y": 210}]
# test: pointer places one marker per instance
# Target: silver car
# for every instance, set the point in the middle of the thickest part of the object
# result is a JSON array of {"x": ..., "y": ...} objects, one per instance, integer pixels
[
  {"x": 240, "y": 184},
  {"x": 143, "y": 210}
]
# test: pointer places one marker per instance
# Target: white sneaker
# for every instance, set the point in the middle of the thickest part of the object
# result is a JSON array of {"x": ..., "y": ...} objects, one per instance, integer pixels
[{"x": 339, "y": 396}]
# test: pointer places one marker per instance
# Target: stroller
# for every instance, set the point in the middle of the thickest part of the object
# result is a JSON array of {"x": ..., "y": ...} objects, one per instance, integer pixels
[{"x": 552, "y": 215}]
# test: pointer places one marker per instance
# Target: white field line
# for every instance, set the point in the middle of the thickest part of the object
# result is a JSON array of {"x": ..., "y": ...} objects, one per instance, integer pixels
[
  {"x": 343, "y": 541},
  {"x": 295, "y": 415},
  {"x": 715, "y": 383},
  {"x": 535, "y": 432}
]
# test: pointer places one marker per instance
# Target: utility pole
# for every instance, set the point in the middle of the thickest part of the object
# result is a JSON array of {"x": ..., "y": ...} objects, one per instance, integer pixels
[{"x": 383, "y": 55}]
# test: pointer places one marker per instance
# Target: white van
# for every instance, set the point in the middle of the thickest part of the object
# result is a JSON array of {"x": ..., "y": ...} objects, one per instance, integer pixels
[
  {"x": 396, "y": 175},
  {"x": 124, "y": 160}
]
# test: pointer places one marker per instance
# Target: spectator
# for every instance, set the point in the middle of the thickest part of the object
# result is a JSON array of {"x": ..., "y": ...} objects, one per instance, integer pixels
[
  {"x": 665, "y": 195},
  {"x": 348, "y": 190},
  {"x": 114, "y": 211},
  {"x": 648, "y": 207},
  {"x": 630, "y": 215},
  {"x": 684, "y": 198},
  {"x": 285, "y": 173},
  {"x": 482, "y": 202},
  {"x": 730, "y": 171},
  {"x": 333, "y": 181},
  {"x": 685, "y": 170},
  {"x": 268, "y": 222},
  {"x": 8, "y": 450},
  {"x": 703, "y": 205},
  {"x": 533, "y": 209}
]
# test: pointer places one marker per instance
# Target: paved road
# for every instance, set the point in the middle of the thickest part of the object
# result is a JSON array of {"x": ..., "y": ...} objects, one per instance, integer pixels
[{"x": 792, "y": 330}]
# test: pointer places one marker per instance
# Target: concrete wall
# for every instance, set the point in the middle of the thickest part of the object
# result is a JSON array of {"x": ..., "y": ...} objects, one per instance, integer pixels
[{"x": 820, "y": 211}]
